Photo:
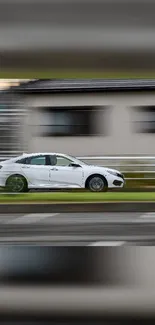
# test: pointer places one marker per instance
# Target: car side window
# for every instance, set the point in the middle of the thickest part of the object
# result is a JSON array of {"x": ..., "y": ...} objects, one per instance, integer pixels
[
  {"x": 63, "y": 161},
  {"x": 22, "y": 161},
  {"x": 39, "y": 160},
  {"x": 59, "y": 161}
]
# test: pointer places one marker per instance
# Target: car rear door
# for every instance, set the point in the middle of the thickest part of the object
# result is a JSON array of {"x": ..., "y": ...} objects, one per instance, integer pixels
[{"x": 37, "y": 170}]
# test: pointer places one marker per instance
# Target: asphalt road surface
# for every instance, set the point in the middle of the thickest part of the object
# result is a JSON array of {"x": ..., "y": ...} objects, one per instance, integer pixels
[
  {"x": 65, "y": 24},
  {"x": 105, "y": 13},
  {"x": 90, "y": 229},
  {"x": 43, "y": 34}
]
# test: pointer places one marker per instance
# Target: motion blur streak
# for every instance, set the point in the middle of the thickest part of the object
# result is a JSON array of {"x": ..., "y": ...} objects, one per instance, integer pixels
[
  {"x": 126, "y": 283},
  {"x": 83, "y": 34},
  {"x": 78, "y": 265}
]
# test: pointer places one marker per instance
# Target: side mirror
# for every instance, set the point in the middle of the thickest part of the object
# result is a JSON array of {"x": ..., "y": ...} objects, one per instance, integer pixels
[{"x": 74, "y": 165}]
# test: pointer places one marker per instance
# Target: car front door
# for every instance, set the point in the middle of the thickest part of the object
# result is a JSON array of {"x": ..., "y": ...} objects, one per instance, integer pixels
[
  {"x": 37, "y": 170},
  {"x": 64, "y": 175}
]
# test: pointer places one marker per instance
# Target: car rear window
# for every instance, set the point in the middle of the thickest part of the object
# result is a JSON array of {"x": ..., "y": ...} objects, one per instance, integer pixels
[{"x": 22, "y": 161}]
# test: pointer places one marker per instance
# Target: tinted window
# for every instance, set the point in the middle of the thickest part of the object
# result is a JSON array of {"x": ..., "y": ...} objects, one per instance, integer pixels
[
  {"x": 22, "y": 161},
  {"x": 53, "y": 160},
  {"x": 59, "y": 161},
  {"x": 41, "y": 160},
  {"x": 62, "y": 161}
]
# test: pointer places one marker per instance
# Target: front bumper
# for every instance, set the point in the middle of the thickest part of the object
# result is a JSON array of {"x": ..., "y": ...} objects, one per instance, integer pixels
[{"x": 118, "y": 183}]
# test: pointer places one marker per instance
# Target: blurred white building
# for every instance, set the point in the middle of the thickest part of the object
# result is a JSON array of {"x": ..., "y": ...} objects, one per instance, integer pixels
[{"x": 88, "y": 117}]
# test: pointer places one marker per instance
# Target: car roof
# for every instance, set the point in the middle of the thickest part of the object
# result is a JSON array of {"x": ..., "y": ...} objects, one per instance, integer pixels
[
  {"x": 25, "y": 155},
  {"x": 41, "y": 153}
]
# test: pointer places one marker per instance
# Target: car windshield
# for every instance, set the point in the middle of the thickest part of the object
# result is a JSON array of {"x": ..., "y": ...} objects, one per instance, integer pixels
[{"x": 78, "y": 160}]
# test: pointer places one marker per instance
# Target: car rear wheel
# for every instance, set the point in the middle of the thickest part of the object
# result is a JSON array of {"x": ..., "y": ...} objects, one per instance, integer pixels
[
  {"x": 16, "y": 184},
  {"x": 97, "y": 184}
]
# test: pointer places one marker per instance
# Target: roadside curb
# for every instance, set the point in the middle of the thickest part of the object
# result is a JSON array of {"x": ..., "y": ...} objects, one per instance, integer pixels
[{"x": 77, "y": 207}]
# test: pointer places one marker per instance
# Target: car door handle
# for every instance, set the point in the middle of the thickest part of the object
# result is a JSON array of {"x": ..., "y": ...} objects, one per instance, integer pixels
[
  {"x": 26, "y": 167},
  {"x": 54, "y": 169}
]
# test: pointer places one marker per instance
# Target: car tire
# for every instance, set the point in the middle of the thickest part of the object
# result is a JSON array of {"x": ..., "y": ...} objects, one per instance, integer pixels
[
  {"x": 17, "y": 184},
  {"x": 97, "y": 183}
]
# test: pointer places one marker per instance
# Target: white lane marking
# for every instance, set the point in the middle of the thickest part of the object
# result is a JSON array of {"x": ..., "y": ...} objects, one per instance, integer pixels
[
  {"x": 32, "y": 218},
  {"x": 149, "y": 215},
  {"x": 6, "y": 218},
  {"x": 108, "y": 243}
]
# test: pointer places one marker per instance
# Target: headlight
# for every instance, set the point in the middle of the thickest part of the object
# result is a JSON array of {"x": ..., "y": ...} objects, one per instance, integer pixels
[
  {"x": 113, "y": 173},
  {"x": 116, "y": 174},
  {"x": 1, "y": 167}
]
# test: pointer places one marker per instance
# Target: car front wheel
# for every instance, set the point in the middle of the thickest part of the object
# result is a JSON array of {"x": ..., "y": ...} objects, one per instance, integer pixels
[{"x": 97, "y": 184}]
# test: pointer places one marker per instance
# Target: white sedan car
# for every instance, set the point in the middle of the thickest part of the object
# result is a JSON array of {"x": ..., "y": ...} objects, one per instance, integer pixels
[{"x": 56, "y": 171}]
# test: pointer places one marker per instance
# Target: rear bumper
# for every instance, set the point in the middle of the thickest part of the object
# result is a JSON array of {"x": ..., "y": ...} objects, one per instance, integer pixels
[{"x": 3, "y": 178}]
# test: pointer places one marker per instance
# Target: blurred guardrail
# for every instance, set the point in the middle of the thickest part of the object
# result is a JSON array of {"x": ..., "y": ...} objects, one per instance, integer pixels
[
  {"x": 138, "y": 169},
  {"x": 135, "y": 168},
  {"x": 126, "y": 164}
]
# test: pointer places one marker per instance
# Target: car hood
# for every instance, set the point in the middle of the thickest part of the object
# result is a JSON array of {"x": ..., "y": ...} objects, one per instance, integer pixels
[
  {"x": 104, "y": 168},
  {"x": 112, "y": 170}
]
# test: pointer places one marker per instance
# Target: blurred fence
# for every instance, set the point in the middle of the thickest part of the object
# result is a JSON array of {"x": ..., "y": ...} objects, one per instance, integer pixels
[
  {"x": 11, "y": 131},
  {"x": 135, "y": 168},
  {"x": 12, "y": 117},
  {"x": 138, "y": 170}
]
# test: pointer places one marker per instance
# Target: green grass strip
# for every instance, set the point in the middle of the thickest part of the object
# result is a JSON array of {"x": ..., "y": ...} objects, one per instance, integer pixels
[
  {"x": 76, "y": 197},
  {"x": 75, "y": 73}
]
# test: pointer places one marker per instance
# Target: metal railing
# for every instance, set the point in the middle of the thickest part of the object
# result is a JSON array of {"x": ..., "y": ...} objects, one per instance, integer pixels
[
  {"x": 11, "y": 127},
  {"x": 142, "y": 165}
]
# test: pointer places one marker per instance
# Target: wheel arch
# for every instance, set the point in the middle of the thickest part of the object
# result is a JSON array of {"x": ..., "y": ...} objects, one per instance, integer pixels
[
  {"x": 24, "y": 187},
  {"x": 94, "y": 175},
  {"x": 17, "y": 174}
]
